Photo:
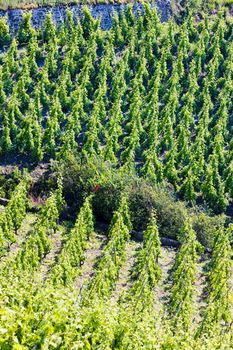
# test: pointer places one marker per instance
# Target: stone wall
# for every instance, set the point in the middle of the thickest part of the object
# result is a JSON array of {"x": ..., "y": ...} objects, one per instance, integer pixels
[{"x": 102, "y": 11}]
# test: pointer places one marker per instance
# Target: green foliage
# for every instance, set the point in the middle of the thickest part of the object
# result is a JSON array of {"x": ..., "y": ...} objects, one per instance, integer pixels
[
  {"x": 72, "y": 255},
  {"x": 147, "y": 271},
  {"x": 143, "y": 198},
  {"x": 4, "y": 32},
  {"x": 133, "y": 119},
  {"x": 38, "y": 243},
  {"x": 184, "y": 275},
  {"x": 9, "y": 182},
  {"x": 94, "y": 103},
  {"x": 112, "y": 259},
  {"x": 11, "y": 218},
  {"x": 25, "y": 32},
  {"x": 205, "y": 226},
  {"x": 137, "y": 303},
  {"x": 78, "y": 179},
  {"x": 182, "y": 8},
  {"x": 219, "y": 286}
]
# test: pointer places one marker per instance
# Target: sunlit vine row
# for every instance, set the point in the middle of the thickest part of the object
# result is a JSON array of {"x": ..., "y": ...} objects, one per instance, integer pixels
[
  {"x": 11, "y": 218},
  {"x": 121, "y": 96},
  {"x": 72, "y": 255},
  {"x": 113, "y": 256}
]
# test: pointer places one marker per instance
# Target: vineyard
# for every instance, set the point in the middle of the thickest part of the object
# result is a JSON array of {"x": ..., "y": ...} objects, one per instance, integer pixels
[{"x": 113, "y": 135}]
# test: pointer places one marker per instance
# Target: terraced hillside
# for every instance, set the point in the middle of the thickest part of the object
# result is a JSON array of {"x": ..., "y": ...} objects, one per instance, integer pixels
[
  {"x": 150, "y": 97},
  {"x": 75, "y": 288},
  {"x": 117, "y": 135}
]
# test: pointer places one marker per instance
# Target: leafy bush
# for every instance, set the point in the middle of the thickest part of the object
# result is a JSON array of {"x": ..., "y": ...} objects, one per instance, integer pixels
[
  {"x": 143, "y": 198},
  {"x": 80, "y": 178},
  {"x": 77, "y": 181},
  {"x": 205, "y": 226},
  {"x": 8, "y": 182}
]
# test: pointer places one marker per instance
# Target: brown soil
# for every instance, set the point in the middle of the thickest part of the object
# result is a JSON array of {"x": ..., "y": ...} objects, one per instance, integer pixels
[
  {"x": 124, "y": 281},
  {"x": 162, "y": 290},
  {"x": 92, "y": 254},
  {"x": 50, "y": 258},
  {"x": 200, "y": 285}
]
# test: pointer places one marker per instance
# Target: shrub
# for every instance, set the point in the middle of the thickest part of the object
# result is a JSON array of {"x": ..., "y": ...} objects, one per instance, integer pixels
[
  {"x": 107, "y": 196},
  {"x": 205, "y": 227},
  {"x": 143, "y": 198},
  {"x": 9, "y": 181},
  {"x": 82, "y": 177}
]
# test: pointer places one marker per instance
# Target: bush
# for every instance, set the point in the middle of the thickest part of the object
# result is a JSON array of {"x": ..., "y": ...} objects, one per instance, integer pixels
[
  {"x": 205, "y": 227},
  {"x": 171, "y": 214},
  {"x": 181, "y": 7},
  {"x": 77, "y": 181},
  {"x": 107, "y": 195},
  {"x": 82, "y": 177},
  {"x": 143, "y": 198},
  {"x": 8, "y": 182}
]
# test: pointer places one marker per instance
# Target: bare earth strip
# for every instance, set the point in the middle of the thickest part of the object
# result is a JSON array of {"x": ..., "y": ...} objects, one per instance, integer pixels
[
  {"x": 50, "y": 258},
  {"x": 92, "y": 253},
  {"x": 200, "y": 285},
  {"x": 124, "y": 281},
  {"x": 162, "y": 289}
]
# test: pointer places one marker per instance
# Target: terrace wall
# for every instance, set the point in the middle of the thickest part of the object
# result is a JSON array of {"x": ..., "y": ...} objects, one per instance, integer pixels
[{"x": 102, "y": 11}]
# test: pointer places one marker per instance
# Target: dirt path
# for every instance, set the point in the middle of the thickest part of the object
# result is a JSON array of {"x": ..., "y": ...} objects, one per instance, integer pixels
[
  {"x": 162, "y": 290},
  {"x": 39, "y": 171},
  {"x": 124, "y": 280},
  {"x": 199, "y": 285},
  {"x": 92, "y": 253},
  {"x": 50, "y": 258}
]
